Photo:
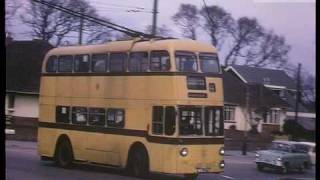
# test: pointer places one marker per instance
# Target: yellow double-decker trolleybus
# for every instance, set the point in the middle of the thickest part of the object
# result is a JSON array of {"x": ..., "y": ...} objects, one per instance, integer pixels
[{"x": 151, "y": 105}]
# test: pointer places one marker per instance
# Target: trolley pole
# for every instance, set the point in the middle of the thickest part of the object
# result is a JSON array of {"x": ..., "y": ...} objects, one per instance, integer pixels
[
  {"x": 81, "y": 28},
  {"x": 297, "y": 96},
  {"x": 154, "y": 21}
]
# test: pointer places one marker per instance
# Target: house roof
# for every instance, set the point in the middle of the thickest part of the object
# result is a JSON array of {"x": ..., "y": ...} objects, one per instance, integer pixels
[
  {"x": 259, "y": 96},
  {"x": 276, "y": 78},
  {"x": 23, "y": 65}
]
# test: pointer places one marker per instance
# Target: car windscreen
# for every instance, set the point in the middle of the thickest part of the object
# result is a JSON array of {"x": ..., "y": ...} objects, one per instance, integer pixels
[{"x": 280, "y": 147}]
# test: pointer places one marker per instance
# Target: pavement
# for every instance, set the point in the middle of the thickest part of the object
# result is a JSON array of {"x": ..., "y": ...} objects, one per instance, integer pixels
[{"x": 23, "y": 162}]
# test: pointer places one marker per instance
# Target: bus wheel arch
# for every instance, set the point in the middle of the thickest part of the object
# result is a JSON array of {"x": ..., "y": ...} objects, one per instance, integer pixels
[
  {"x": 63, "y": 154},
  {"x": 138, "y": 162}
]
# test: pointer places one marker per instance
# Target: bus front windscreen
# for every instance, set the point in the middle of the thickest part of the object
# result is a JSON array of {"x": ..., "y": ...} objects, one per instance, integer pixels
[
  {"x": 197, "y": 121},
  {"x": 209, "y": 63}
]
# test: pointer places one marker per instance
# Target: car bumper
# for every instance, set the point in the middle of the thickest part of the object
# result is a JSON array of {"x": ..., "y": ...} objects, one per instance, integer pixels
[{"x": 272, "y": 163}]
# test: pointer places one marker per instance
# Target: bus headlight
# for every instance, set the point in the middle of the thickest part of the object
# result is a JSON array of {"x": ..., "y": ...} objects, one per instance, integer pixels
[
  {"x": 184, "y": 152},
  {"x": 221, "y": 151}
]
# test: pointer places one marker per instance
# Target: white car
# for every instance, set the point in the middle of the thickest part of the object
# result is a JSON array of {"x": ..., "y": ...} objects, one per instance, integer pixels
[{"x": 311, "y": 150}]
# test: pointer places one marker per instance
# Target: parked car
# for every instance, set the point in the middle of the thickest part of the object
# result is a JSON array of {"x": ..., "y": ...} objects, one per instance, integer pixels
[
  {"x": 283, "y": 156},
  {"x": 311, "y": 150}
]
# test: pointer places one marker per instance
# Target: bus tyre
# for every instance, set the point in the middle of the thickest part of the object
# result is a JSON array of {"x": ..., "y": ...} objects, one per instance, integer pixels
[
  {"x": 139, "y": 163},
  {"x": 64, "y": 154}
]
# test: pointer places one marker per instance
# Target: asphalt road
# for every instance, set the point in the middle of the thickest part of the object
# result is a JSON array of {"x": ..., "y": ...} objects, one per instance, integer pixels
[{"x": 22, "y": 162}]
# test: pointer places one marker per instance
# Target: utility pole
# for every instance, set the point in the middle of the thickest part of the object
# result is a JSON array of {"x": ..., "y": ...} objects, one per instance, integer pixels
[
  {"x": 244, "y": 143},
  {"x": 154, "y": 22},
  {"x": 80, "y": 28},
  {"x": 297, "y": 95}
]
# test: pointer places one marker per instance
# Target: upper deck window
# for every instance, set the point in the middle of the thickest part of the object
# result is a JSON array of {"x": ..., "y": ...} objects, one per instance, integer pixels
[
  {"x": 52, "y": 64},
  {"x": 209, "y": 63},
  {"x": 186, "y": 61},
  {"x": 159, "y": 61},
  {"x": 81, "y": 63},
  {"x": 65, "y": 63},
  {"x": 138, "y": 62},
  {"x": 117, "y": 62},
  {"x": 99, "y": 62}
]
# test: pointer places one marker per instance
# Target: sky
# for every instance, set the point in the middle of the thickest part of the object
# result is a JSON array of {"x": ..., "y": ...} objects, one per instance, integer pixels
[{"x": 293, "y": 19}]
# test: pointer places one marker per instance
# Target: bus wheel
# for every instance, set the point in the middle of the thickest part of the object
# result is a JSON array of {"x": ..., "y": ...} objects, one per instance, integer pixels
[
  {"x": 190, "y": 176},
  {"x": 64, "y": 154},
  {"x": 139, "y": 163}
]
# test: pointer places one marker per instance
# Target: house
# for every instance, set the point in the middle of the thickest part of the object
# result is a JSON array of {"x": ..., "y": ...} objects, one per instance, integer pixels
[
  {"x": 23, "y": 70},
  {"x": 274, "y": 92},
  {"x": 251, "y": 106}
]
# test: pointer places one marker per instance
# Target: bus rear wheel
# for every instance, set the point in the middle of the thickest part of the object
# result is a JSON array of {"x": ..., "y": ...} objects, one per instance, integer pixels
[
  {"x": 64, "y": 154},
  {"x": 139, "y": 163}
]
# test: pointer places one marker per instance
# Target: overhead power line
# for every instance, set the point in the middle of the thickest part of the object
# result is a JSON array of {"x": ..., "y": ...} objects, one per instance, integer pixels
[
  {"x": 102, "y": 22},
  {"x": 207, "y": 10}
]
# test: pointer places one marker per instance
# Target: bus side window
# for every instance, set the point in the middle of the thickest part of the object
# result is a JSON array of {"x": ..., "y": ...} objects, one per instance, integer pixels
[
  {"x": 157, "y": 120},
  {"x": 65, "y": 63},
  {"x": 115, "y": 118},
  {"x": 170, "y": 120},
  {"x": 63, "y": 114},
  {"x": 159, "y": 61},
  {"x": 117, "y": 62},
  {"x": 79, "y": 115},
  {"x": 52, "y": 64},
  {"x": 99, "y": 63},
  {"x": 81, "y": 63},
  {"x": 97, "y": 116},
  {"x": 138, "y": 62}
]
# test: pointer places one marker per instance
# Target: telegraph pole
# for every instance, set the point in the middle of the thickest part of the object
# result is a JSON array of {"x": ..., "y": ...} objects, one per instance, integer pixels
[
  {"x": 81, "y": 28},
  {"x": 297, "y": 95},
  {"x": 244, "y": 143},
  {"x": 154, "y": 21}
]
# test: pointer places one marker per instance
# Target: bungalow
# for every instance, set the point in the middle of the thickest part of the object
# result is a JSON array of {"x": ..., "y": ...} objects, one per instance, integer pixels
[{"x": 23, "y": 68}]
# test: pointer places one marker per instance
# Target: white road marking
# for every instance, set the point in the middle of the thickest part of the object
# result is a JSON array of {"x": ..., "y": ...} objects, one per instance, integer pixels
[{"x": 228, "y": 177}]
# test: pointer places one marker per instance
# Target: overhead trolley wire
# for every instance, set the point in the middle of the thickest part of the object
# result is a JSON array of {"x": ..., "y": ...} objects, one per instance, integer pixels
[{"x": 102, "y": 22}]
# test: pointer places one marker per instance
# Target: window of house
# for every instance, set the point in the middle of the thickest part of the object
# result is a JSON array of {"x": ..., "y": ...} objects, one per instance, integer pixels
[
  {"x": 79, "y": 115},
  {"x": 81, "y": 63},
  {"x": 115, "y": 118},
  {"x": 65, "y": 63},
  {"x": 157, "y": 120},
  {"x": 273, "y": 116},
  {"x": 99, "y": 63},
  {"x": 63, "y": 114},
  {"x": 170, "y": 120},
  {"x": 228, "y": 113},
  {"x": 159, "y": 61},
  {"x": 52, "y": 64},
  {"x": 97, "y": 116},
  {"x": 138, "y": 62},
  {"x": 186, "y": 61},
  {"x": 117, "y": 62}
]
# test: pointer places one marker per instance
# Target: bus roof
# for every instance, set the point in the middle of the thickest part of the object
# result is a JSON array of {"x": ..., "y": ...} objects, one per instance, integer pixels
[{"x": 136, "y": 45}]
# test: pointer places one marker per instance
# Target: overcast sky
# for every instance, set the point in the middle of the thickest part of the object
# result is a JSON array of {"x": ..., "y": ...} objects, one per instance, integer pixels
[{"x": 294, "y": 19}]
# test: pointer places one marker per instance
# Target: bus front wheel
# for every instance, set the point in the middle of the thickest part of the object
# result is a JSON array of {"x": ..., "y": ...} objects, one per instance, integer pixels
[
  {"x": 139, "y": 163},
  {"x": 64, "y": 154}
]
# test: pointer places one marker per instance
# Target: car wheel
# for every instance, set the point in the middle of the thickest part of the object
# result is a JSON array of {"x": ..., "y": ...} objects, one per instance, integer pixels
[
  {"x": 301, "y": 168},
  {"x": 307, "y": 165},
  {"x": 285, "y": 168},
  {"x": 260, "y": 167},
  {"x": 64, "y": 154}
]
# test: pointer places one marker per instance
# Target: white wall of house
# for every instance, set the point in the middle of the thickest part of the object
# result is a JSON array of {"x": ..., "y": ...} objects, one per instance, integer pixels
[
  {"x": 24, "y": 105},
  {"x": 301, "y": 114},
  {"x": 239, "y": 121}
]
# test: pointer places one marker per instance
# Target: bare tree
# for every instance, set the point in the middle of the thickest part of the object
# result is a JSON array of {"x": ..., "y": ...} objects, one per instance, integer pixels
[
  {"x": 163, "y": 30},
  {"x": 11, "y": 8},
  {"x": 218, "y": 23},
  {"x": 246, "y": 34},
  {"x": 187, "y": 18},
  {"x": 269, "y": 50}
]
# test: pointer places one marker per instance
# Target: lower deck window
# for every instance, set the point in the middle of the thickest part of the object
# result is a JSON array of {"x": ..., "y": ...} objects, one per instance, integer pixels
[
  {"x": 97, "y": 116},
  {"x": 115, "y": 118},
  {"x": 79, "y": 115},
  {"x": 190, "y": 121},
  {"x": 63, "y": 114}
]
